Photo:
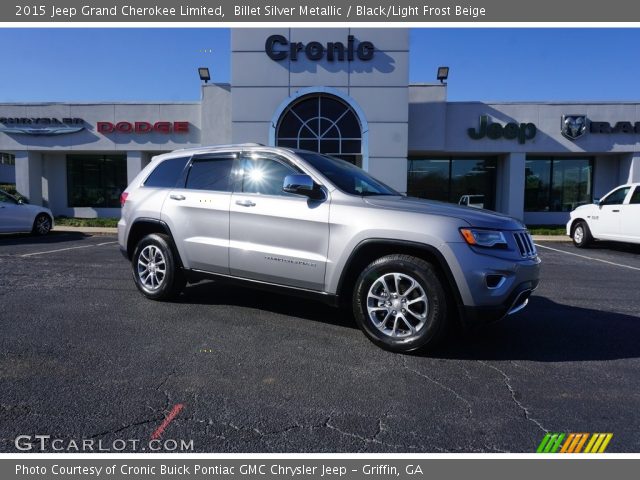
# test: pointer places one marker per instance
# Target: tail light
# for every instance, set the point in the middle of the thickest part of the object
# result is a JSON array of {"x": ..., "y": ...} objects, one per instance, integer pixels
[{"x": 123, "y": 198}]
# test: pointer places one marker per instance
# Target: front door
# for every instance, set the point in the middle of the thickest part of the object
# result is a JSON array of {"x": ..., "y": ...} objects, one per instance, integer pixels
[
  {"x": 609, "y": 213},
  {"x": 276, "y": 237},
  {"x": 13, "y": 216}
]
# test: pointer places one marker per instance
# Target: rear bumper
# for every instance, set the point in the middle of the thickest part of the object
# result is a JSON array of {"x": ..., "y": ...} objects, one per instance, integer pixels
[{"x": 516, "y": 301}]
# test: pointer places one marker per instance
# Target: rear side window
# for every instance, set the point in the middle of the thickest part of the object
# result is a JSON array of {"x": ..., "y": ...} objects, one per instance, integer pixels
[
  {"x": 211, "y": 174},
  {"x": 635, "y": 198},
  {"x": 167, "y": 174}
]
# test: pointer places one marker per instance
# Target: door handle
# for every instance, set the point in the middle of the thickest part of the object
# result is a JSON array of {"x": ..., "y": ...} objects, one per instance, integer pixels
[
  {"x": 175, "y": 196},
  {"x": 616, "y": 211},
  {"x": 245, "y": 203}
]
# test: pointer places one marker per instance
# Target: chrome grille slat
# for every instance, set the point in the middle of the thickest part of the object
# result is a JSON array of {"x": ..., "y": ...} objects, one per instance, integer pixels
[{"x": 525, "y": 244}]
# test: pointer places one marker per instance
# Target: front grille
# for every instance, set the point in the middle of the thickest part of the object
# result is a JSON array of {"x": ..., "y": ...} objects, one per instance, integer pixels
[{"x": 525, "y": 244}]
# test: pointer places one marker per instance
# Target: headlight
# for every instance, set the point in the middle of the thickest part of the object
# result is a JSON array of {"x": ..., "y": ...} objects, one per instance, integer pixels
[{"x": 483, "y": 238}]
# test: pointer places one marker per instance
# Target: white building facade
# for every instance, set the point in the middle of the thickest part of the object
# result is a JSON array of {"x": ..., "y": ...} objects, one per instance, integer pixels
[{"x": 345, "y": 92}]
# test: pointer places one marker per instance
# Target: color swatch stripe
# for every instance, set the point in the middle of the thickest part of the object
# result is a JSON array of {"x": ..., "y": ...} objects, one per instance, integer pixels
[
  {"x": 607, "y": 439},
  {"x": 570, "y": 441},
  {"x": 582, "y": 442},
  {"x": 573, "y": 442}
]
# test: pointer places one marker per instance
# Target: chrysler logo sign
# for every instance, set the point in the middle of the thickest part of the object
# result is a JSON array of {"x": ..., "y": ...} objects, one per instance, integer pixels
[{"x": 41, "y": 125}]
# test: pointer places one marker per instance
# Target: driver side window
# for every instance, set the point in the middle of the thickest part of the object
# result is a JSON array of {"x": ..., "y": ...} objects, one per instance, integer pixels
[
  {"x": 616, "y": 197},
  {"x": 265, "y": 174}
]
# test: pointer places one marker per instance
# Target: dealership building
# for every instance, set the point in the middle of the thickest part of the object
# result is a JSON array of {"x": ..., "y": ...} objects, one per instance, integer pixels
[{"x": 341, "y": 91}]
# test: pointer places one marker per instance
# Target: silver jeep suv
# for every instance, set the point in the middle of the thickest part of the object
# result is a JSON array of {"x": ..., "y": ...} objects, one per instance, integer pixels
[{"x": 312, "y": 225}]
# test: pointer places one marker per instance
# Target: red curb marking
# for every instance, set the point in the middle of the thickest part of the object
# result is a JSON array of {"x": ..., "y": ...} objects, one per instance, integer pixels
[{"x": 168, "y": 419}]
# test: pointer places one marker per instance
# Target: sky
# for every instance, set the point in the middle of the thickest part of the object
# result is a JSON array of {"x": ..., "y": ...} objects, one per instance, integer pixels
[{"x": 564, "y": 64}]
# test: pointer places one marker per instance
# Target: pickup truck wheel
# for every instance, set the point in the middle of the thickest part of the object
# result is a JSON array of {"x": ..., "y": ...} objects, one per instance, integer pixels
[
  {"x": 155, "y": 270},
  {"x": 400, "y": 304},
  {"x": 581, "y": 235}
]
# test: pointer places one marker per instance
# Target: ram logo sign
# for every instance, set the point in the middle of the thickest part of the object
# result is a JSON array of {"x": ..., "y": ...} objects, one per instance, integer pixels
[{"x": 573, "y": 126}]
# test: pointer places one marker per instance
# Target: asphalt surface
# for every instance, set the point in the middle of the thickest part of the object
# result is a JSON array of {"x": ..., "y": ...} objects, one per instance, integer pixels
[{"x": 84, "y": 356}]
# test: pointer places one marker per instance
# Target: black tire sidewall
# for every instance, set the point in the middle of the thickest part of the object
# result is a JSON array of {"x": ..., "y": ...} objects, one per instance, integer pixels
[
  {"x": 171, "y": 284},
  {"x": 428, "y": 280}
]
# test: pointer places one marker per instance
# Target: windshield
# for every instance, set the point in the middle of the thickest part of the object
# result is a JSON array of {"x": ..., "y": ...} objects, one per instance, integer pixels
[{"x": 347, "y": 177}]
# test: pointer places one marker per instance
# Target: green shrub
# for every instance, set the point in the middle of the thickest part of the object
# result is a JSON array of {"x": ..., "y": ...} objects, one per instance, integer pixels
[
  {"x": 86, "y": 222},
  {"x": 547, "y": 229}
]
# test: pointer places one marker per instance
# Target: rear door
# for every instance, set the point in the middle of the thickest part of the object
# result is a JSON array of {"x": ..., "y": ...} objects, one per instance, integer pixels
[
  {"x": 276, "y": 237},
  {"x": 630, "y": 224},
  {"x": 198, "y": 212}
]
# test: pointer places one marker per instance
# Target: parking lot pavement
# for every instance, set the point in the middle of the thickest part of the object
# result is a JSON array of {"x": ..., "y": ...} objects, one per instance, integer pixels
[{"x": 84, "y": 355}]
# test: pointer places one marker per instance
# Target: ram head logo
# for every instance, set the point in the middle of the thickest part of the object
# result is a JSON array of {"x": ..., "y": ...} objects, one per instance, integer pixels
[{"x": 573, "y": 126}]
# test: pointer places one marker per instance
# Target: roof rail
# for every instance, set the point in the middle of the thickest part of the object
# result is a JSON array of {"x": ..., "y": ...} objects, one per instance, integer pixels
[{"x": 227, "y": 145}]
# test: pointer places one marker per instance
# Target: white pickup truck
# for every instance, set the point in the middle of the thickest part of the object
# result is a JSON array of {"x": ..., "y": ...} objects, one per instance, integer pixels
[{"x": 615, "y": 217}]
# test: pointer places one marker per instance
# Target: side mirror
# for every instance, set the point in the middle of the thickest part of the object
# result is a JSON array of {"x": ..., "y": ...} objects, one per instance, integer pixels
[
  {"x": 302, "y": 185},
  {"x": 20, "y": 201}
]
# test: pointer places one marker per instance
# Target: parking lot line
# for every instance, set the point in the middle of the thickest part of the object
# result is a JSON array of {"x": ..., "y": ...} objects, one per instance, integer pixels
[
  {"x": 588, "y": 258},
  {"x": 64, "y": 249}
]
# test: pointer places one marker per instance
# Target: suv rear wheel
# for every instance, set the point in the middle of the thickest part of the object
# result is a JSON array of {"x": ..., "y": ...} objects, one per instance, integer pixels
[
  {"x": 400, "y": 304},
  {"x": 155, "y": 268}
]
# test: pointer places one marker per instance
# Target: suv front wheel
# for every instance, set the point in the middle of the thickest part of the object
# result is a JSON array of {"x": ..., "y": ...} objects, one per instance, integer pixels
[
  {"x": 155, "y": 269},
  {"x": 400, "y": 304}
]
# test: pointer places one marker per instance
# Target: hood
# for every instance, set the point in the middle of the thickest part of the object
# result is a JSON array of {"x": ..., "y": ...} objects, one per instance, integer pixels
[
  {"x": 475, "y": 217},
  {"x": 34, "y": 208},
  {"x": 584, "y": 208}
]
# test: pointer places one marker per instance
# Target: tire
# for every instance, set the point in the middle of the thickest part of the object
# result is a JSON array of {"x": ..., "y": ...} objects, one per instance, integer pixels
[
  {"x": 581, "y": 235},
  {"x": 151, "y": 254},
  {"x": 424, "y": 307},
  {"x": 41, "y": 224}
]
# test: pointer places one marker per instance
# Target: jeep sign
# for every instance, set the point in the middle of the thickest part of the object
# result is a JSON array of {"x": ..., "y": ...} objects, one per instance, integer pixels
[{"x": 510, "y": 131}]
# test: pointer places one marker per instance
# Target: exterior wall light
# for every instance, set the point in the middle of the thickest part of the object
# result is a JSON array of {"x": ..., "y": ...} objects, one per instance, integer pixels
[
  {"x": 443, "y": 74},
  {"x": 204, "y": 74}
]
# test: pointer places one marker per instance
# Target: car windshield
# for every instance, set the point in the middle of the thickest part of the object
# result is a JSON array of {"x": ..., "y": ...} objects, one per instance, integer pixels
[{"x": 347, "y": 177}]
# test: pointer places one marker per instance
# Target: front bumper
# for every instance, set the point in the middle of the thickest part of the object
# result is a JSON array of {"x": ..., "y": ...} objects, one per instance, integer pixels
[
  {"x": 492, "y": 285},
  {"x": 517, "y": 300},
  {"x": 569, "y": 226}
]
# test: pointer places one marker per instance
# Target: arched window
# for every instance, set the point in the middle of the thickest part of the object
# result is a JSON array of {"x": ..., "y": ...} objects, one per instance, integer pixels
[{"x": 321, "y": 123}]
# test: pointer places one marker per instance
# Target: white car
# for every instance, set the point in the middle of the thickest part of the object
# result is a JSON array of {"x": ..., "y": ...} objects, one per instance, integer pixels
[
  {"x": 615, "y": 217},
  {"x": 17, "y": 216}
]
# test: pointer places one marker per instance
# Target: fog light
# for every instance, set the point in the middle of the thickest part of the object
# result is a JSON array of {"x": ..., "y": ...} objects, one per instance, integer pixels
[{"x": 495, "y": 280}]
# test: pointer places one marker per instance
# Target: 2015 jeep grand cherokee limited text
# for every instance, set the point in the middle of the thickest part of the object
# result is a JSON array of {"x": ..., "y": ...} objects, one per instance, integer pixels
[{"x": 313, "y": 225}]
